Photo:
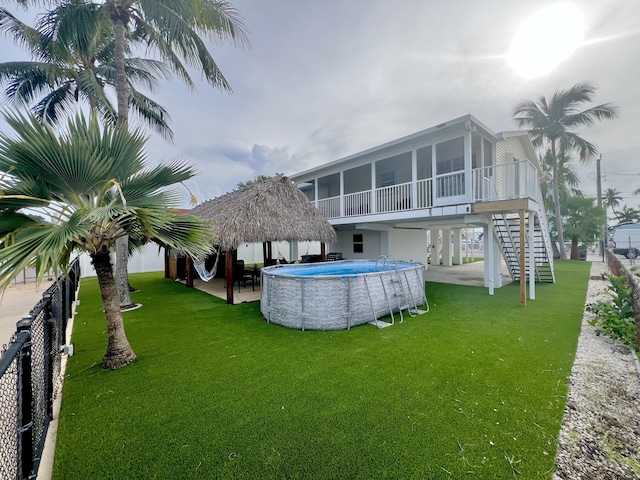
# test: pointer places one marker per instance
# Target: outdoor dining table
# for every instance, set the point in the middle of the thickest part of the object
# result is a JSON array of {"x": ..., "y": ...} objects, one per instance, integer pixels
[{"x": 254, "y": 273}]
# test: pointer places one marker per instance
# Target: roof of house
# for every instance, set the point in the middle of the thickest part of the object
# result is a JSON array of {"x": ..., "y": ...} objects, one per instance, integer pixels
[{"x": 272, "y": 210}]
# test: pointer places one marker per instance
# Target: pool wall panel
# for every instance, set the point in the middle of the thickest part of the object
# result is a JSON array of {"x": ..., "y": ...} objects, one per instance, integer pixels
[{"x": 340, "y": 301}]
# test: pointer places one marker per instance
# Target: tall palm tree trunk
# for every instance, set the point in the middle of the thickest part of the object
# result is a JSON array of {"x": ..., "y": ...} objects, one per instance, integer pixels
[
  {"x": 556, "y": 203},
  {"x": 119, "y": 352},
  {"x": 122, "y": 89},
  {"x": 122, "y": 92}
]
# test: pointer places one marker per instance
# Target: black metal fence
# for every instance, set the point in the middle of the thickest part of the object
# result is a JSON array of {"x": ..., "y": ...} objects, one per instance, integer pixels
[{"x": 30, "y": 378}]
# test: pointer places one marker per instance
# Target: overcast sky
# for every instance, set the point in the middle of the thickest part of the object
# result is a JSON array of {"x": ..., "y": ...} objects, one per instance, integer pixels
[{"x": 326, "y": 79}]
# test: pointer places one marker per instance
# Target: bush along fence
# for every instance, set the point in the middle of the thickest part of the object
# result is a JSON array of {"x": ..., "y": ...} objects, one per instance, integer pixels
[
  {"x": 618, "y": 269},
  {"x": 30, "y": 377}
]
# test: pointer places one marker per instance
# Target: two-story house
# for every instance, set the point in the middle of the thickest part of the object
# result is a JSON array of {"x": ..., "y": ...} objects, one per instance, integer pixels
[{"x": 412, "y": 197}]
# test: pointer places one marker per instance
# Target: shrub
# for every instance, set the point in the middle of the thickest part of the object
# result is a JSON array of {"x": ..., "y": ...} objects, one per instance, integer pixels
[{"x": 614, "y": 316}]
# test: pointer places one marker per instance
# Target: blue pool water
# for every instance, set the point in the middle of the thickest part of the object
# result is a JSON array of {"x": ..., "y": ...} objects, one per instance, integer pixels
[{"x": 335, "y": 269}]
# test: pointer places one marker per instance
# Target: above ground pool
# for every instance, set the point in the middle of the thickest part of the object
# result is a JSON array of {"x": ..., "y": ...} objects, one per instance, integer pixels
[{"x": 339, "y": 295}]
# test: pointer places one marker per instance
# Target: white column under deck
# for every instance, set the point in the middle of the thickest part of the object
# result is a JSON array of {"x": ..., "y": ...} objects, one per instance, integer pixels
[
  {"x": 446, "y": 247},
  {"x": 293, "y": 251},
  {"x": 532, "y": 256},
  {"x": 457, "y": 246},
  {"x": 435, "y": 247},
  {"x": 492, "y": 259},
  {"x": 497, "y": 263},
  {"x": 488, "y": 257}
]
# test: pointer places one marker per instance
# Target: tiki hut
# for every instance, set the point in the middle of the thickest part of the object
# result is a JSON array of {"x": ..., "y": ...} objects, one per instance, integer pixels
[{"x": 272, "y": 210}]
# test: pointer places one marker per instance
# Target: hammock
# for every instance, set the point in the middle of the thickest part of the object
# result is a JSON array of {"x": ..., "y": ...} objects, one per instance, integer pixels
[{"x": 203, "y": 273}]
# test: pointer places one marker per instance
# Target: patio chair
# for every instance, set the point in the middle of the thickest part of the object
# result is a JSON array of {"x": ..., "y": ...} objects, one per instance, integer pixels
[{"x": 240, "y": 276}]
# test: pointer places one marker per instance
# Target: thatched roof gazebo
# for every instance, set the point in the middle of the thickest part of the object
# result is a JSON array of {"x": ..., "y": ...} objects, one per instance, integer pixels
[{"x": 267, "y": 211}]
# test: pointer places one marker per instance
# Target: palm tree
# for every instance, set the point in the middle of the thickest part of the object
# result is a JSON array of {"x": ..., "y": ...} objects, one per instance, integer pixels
[
  {"x": 568, "y": 180},
  {"x": 627, "y": 214},
  {"x": 72, "y": 50},
  {"x": 584, "y": 222},
  {"x": 611, "y": 198},
  {"x": 172, "y": 28},
  {"x": 550, "y": 123},
  {"x": 81, "y": 190}
]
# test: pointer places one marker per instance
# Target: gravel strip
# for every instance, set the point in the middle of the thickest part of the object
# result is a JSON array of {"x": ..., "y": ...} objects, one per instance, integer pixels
[{"x": 600, "y": 435}]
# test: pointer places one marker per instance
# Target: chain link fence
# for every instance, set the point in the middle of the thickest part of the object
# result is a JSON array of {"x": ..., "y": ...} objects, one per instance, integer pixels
[{"x": 30, "y": 378}]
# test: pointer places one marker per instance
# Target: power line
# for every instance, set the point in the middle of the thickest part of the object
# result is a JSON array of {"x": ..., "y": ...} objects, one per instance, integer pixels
[{"x": 621, "y": 151}]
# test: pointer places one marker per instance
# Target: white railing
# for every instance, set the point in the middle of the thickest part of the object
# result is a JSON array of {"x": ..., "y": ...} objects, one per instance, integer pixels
[
  {"x": 499, "y": 182},
  {"x": 450, "y": 185},
  {"x": 425, "y": 193},
  {"x": 506, "y": 181},
  {"x": 394, "y": 198},
  {"x": 358, "y": 203},
  {"x": 329, "y": 207}
]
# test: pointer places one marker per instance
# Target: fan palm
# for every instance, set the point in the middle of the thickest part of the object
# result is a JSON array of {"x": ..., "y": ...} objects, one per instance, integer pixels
[
  {"x": 550, "y": 123},
  {"x": 81, "y": 190},
  {"x": 72, "y": 60}
]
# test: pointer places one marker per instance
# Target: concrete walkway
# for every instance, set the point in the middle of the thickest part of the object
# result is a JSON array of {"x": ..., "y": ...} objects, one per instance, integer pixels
[
  {"x": 467, "y": 274},
  {"x": 15, "y": 302}
]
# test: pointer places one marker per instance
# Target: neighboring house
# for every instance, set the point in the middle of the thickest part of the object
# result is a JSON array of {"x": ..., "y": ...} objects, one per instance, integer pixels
[{"x": 393, "y": 198}]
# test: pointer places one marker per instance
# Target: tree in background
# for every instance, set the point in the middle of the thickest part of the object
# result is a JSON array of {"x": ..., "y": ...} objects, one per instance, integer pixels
[
  {"x": 568, "y": 182},
  {"x": 551, "y": 124},
  {"x": 583, "y": 221},
  {"x": 258, "y": 179},
  {"x": 81, "y": 190},
  {"x": 611, "y": 199},
  {"x": 627, "y": 215},
  {"x": 71, "y": 48}
]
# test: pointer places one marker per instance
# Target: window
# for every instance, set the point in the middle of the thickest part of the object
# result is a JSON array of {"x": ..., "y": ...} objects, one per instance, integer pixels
[
  {"x": 423, "y": 156},
  {"x": 357, "y": 179},
  {"x": 393, "y": 170},
  {"x": 309, "y": 189},
  {"x": 386, "y": 179},
  {"x": 358, "y": 243},
  {"x": 450, "y": 156},
  {"x": 329, "y": 186}
]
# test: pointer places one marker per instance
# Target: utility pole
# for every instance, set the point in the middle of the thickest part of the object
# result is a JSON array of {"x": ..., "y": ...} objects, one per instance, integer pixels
[{"x": 603, "y": 242}]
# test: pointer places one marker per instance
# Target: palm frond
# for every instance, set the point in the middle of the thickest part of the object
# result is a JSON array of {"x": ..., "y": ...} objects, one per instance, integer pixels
[{"x": 154, "y": 114}]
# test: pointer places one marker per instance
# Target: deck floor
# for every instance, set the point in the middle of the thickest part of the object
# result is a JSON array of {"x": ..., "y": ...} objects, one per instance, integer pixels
[
  {"x": 217, "y": 288},
  {"x": 469, "y": 274}
]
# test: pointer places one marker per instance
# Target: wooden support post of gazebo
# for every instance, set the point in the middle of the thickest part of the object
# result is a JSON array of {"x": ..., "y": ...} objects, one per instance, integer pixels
[
  {"x": 189, "y": 272},
  {"x": 228, "y": 274},
  {"x": 323, "y": 251}
]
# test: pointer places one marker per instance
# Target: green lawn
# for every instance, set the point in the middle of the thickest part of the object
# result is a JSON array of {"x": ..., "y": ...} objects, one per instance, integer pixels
[{"x": 474, "y": 388}]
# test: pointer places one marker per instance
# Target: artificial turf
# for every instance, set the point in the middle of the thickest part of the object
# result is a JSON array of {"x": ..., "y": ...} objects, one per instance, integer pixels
[{"x": 476, "y": 387}]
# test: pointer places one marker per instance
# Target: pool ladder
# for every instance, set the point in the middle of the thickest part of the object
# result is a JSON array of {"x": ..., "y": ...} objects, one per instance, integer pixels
[{"x": 399, "y": 293}]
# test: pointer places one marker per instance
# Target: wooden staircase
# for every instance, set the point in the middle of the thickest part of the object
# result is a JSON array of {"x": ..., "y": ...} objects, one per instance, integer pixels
[{"x": 507, "y": 228}]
